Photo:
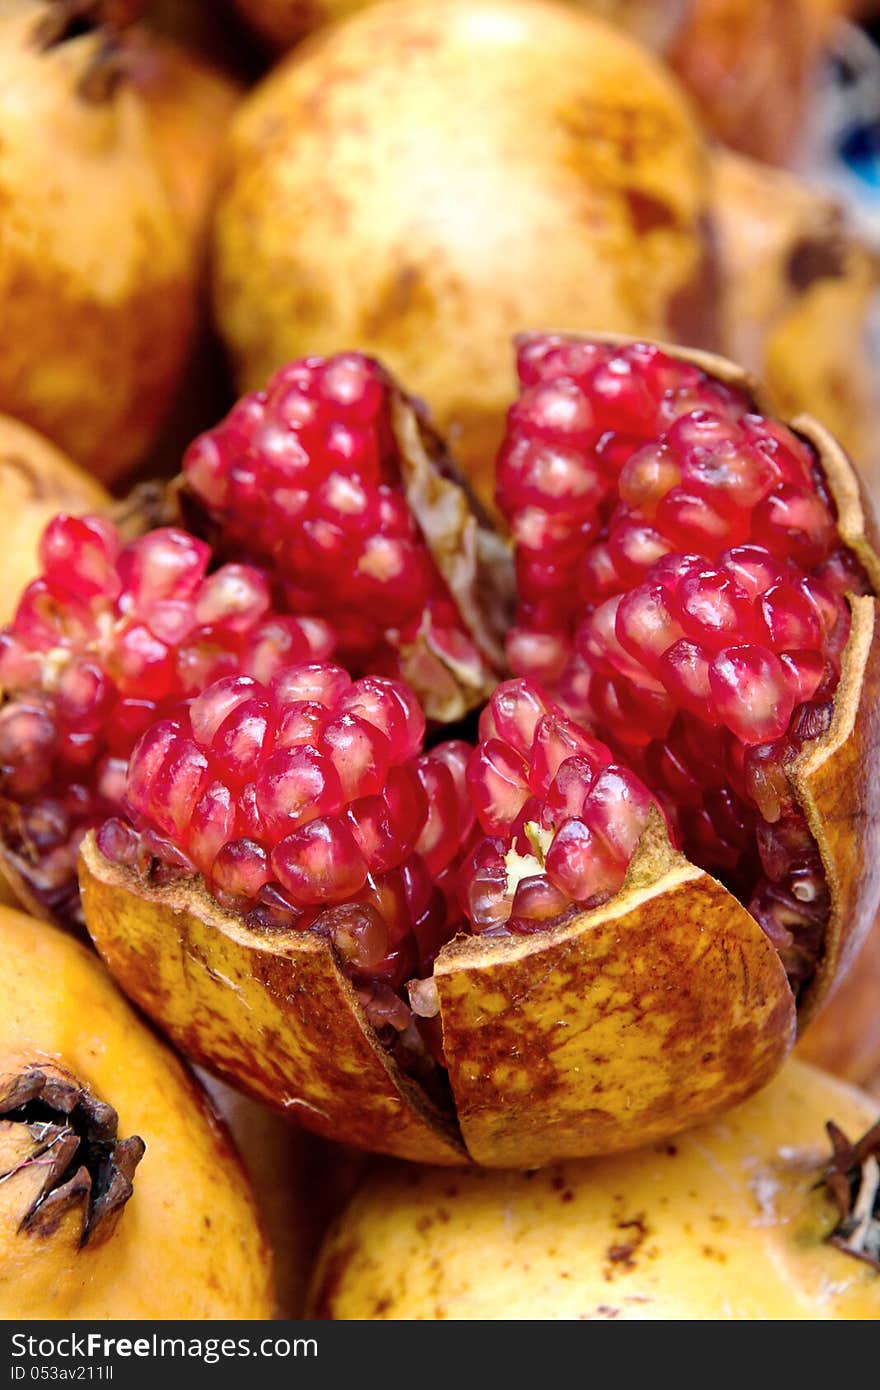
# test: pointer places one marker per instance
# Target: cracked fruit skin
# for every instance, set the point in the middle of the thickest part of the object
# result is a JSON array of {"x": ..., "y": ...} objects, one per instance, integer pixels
[
  {"x": 188, "y": 1243},
  {"x": 94, "y": 252},
  {"x": 726, "y": 1222},
  {"x": 36, "y": 482},
  {"x": 499, "y": 182},
  {"x": 622, "y": 1026}
]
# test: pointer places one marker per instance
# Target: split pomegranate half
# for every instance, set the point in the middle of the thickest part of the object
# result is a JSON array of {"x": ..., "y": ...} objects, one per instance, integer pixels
[{"x": 599, "y": 925}]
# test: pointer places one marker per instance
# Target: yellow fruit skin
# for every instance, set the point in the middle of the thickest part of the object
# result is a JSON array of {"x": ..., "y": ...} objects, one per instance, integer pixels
[
  {"x": 97, "y": 270},
  {"x": 726, "y": 1222},
  {"x": 428, "y": 178},
  {"x": 797, "y": 297},
  {"x": 36, "y": 482},
  {"x": 188, "y": 1244},
  {"x": 844, "y": 1037},
  {"x": 282, "y": 22}
]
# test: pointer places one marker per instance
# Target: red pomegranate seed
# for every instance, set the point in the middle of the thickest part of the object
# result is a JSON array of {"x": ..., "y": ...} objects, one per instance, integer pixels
[
  {"x": 308, "y": 804},
  {"x": 308, "y": 477},
  {"x": 688, "y": 601},
  {"x": 107, "y": 641},
  {"x": 570, "y": 841}
]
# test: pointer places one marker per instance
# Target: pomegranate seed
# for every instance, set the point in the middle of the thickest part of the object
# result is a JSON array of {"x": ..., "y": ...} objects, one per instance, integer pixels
[
  {"x": 307, "y": 476},
  {"x": 110, "y": 640},
  {"x": 308, "y": 804}
]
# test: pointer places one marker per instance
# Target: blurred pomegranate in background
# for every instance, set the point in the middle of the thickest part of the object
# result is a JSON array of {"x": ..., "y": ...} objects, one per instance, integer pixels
[
  {"x": 108, "y": 162},
  {"x": 188, "y": 103},
  {"x": 749, "y": 64},
  {"x": 432, "y": 177},
  {"x": 845, "y": 1036},
  {"x": 798, "y": 290}
]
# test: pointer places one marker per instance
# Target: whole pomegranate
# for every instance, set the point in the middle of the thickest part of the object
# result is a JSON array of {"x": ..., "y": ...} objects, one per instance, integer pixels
[
  {"x": 282, "y": 22},
  {"x": 97, "y": 268},
  {"x": 432, "y": 177},
  {"x": 120, "y": 1192},
  {"x": 598, "y": 923},
  {"x": 797, "y": 299},
  {"x": 753, "y": 1216},
  {"x": 188, "y": 103},
  {"x": 748, "y": 64}
]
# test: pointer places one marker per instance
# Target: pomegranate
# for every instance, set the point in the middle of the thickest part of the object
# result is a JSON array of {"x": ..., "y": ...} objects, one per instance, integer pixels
[
  {"x": 650, "y": 881},
  {"x": 745, "y": 1218},
  {"x": 845, "y": 1036},
  {"x": 282, "y": 22},
  {"x": 36, "y": 482},
  {"x": 529, "y": 166},
  {"x": 188, "y": 103},
  {"x": 307, "y": 805},
  {"x": 798, "y": 292},
  {"x": 98, "y": 273},
  {"x": 751, "y": 66},
  {"x": 334, "y": 480},
  {"x": 106, "y": 640},
  {"x": 120, "y": 1193}
]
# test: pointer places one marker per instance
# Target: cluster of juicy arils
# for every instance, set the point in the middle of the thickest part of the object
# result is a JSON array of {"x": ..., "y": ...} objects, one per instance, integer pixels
[
  {"x": 562, "y": 820},
  {"x": 682, "y": 589},
  {"x": 308, "y": 804},
  {"x": 329, "y": 478},
  {"x": 108, "y": 639}
]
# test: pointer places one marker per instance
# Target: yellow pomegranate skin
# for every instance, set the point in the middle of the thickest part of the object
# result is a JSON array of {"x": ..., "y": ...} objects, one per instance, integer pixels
[
  {"x": 282, "y": 22},
  {"x": 429, "y": 177},
  {"x": 188, "y": 1243},
  {"x": 189, "y": 102},
  {"x": 797, "y": 296},
  {"x": 725, "y": 1222},
  {"x": 97, "y": 269},
  {"x": 844, "y": 1037}
]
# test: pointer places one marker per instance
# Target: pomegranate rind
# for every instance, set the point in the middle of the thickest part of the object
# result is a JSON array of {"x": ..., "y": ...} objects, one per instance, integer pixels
[
  {"x": 844, "y": 1037},
  {"x": 835, "y": 779},
  {"x": 654, "y": 1012},
  {"x": 188, "y": 1242},
  {"x": 730, "y": 1221},
  {"x": 534, "y": 168},
  {"x": 271, "y": 1013},
  {"x": 475, "y": 564},
  {"x": 95, "y": 253}
]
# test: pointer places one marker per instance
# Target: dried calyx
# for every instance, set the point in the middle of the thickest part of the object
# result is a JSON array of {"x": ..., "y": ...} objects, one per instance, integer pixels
[
  {"x": 853, "y": 1179},
  {"x": 51, "y": 1123}
]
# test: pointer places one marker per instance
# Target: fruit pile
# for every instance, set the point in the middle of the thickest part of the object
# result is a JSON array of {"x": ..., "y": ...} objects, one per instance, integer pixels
[{"x": 483, "y": 776}]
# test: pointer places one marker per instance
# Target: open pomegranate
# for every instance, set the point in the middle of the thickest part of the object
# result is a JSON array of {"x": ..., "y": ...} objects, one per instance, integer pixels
[
  {"x": 596, "y": 926},
  {"x": 341, "y": 500},
  {"x": 36, "y": 481},
  {"x": 769, "y": 1213}
]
